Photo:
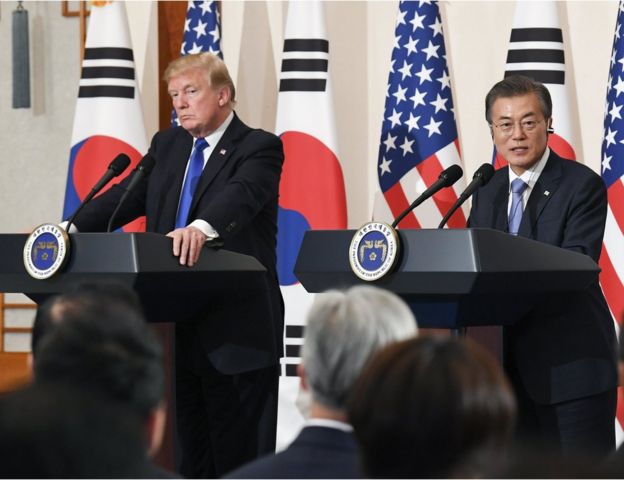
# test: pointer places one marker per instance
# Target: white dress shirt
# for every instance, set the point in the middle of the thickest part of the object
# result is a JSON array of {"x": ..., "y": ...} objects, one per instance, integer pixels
[{"x": 529, "y": 177}]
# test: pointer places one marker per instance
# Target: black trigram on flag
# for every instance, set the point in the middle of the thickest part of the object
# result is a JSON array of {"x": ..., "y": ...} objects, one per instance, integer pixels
[
  {"x": 292, "y": 345},
  {"x": 537, "y": 53},
  {"x": 304, "y": 65},
  {"x": 107, "y": 72}
]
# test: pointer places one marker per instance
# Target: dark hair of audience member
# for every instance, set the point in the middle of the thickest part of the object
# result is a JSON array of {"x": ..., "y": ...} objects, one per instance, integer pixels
[
  {"x": 58, "y": 431},
  {"x": 106, "y": 348},
  {"x": 432, "y": 407},
  {"x": 77, "y": 300}
]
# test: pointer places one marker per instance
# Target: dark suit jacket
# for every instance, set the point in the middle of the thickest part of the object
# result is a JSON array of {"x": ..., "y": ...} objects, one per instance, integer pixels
[
  {"x": 237, "y": 194},
  {"x": 564, "y": 348},
  {"x": 317, "y": 452}
]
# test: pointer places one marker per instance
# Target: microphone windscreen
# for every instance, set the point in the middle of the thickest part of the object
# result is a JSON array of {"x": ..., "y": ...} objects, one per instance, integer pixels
[
  {"x": 119, "y": 163},
  {"x": 147, "y": 164},
  {"x": 451, "y": 175},
  {"x": 484, "y": 173}
]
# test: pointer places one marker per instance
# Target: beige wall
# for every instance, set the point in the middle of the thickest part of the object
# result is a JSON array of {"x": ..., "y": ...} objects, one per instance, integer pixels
[{"x": 35, "y": 142}]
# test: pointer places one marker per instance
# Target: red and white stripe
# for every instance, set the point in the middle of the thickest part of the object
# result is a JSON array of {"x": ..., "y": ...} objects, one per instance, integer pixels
[{"x": 430, "y": 213}]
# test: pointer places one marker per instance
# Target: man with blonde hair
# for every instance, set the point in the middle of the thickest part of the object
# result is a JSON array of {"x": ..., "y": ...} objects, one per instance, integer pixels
[{"x": 215, "y": 180}]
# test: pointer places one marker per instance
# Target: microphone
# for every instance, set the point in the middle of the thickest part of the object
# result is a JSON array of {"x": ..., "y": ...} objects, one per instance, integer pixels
[
  {"x": 481, "y": 177},
  {"x": 447, "y": 178},
  {"x": 142, "y": 170},
  {"x": 115, "y": 168}
]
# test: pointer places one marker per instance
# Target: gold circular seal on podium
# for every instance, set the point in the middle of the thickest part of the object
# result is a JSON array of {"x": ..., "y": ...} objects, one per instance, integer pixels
[
  {"x": 374, "y": 251},
  {"x": 46, "y": 251}
]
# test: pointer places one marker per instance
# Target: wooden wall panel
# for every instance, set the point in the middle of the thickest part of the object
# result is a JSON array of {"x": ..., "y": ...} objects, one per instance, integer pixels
[
  {"x": 14, "y": 371},
  {"x": 171, "y": 16}
]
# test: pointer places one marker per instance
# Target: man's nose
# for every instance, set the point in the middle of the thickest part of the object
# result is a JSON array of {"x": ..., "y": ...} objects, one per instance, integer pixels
[
  {"x": 518, "y": 132},
  {"x": 179, "y": 102}
]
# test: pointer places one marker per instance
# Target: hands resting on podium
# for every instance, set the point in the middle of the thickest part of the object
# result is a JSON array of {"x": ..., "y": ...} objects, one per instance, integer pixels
[{"x": 187, "y": 244}]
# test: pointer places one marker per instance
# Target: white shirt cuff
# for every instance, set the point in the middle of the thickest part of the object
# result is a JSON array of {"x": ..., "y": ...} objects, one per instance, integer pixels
[{"x": 204, "y": 227}]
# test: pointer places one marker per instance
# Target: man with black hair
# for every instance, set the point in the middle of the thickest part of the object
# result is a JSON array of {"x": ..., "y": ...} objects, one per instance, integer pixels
[
  {"x": 79, "y": 299},
  {"x": 95, "y": 338},
  {"x": 560, "y": 356}
]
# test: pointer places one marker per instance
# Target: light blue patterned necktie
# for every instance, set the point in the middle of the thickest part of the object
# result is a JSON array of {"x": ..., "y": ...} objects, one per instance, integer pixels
[
  {"x": 195, "y": 168},
  {"x": 515, "y": 212}
]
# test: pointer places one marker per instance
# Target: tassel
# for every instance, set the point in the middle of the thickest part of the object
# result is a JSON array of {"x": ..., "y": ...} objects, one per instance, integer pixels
[{"x": 21, "y": 59}]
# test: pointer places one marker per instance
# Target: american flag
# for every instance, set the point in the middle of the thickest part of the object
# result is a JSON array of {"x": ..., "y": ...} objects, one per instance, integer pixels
[
  {"x": 612, "y": 168},
  {"x": 202, "y": 32},
  {"x": 418, "y": 134}
]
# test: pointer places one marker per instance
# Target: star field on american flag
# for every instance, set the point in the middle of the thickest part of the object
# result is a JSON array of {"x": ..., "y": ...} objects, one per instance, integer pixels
[
  {"x": 612, "y": 170},
  {"x": 202, "y": 32},
  {"x": 418, "y": 118},
  {"x": 612, "y": 167}
]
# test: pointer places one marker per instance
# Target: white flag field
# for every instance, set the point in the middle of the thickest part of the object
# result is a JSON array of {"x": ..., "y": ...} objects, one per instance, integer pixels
[
  {"x": 312, "y": 194},
  {"x": 108, "y": 118}
]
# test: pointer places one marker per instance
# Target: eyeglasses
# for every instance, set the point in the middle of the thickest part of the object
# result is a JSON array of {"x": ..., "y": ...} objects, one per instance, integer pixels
[{"x": 506, "y": 128}]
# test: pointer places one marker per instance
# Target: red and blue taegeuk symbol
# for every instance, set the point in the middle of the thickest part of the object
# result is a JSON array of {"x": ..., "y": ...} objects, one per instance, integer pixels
[
  {"x": 312, "y": 196},
  {"x": 88, "y": 161}
]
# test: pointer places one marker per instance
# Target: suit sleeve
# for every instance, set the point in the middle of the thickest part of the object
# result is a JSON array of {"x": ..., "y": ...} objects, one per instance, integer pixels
[
  {"x": 472, "y": 216},
  {"x": 586, "y": 217},
  {"x": 253, "y": 185}
]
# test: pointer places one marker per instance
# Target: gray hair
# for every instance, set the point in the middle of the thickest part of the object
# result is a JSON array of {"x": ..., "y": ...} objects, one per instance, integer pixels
[{"x": 344, "y": 330}]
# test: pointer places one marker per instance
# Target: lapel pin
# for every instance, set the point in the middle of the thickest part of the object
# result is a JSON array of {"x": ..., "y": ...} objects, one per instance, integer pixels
[
  {"x": 222, "y": 152},
  {"x": 546, "y": 193}
]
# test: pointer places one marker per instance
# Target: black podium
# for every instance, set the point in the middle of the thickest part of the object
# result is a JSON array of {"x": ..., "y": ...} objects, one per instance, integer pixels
[
  {"x": 454, "y": 278},
  {"x": 144, "y": 262}
]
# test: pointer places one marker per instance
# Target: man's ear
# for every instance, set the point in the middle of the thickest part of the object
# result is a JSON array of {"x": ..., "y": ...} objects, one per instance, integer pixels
[
  {"x": 155, "y": 429},
  {"x": 302, "y": 376},
  {"x": 224, "y": 96}
]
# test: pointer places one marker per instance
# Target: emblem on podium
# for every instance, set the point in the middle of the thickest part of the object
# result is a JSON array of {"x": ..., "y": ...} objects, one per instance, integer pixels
[
  {"x": 46, "y": 251},
  {"x": 373, "y": 251}
]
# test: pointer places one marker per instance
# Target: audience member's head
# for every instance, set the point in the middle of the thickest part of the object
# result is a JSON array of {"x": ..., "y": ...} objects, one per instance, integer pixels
[
  {"x": 432, "y": 407},
  {"x": 344, "y": 329},
  {"x": 57, "y": 431},
  {"x": 101, "y": 344},
  {"x": 81, "y": 298}
]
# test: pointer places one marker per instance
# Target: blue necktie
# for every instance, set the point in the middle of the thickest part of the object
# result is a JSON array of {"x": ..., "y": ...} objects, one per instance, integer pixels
[
  {"x": 195, "y": 168},
  {"x": 515, "y": 212}
]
